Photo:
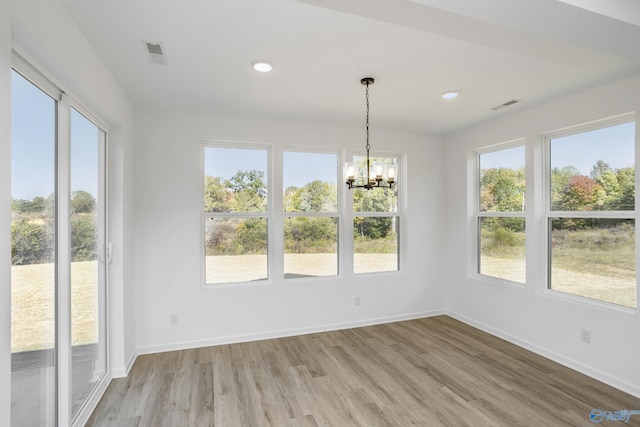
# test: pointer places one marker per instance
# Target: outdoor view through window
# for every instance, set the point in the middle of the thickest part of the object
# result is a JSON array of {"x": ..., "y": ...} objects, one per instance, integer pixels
[
  {"x": 591, "y": 214},
  {"x": 237, "y": 215},
  {"x": 37, "y": 286},
  {"x": 501, "y": 214},
  {"x": 376, "y": 224},
  {"x": 311, "y": 214}
]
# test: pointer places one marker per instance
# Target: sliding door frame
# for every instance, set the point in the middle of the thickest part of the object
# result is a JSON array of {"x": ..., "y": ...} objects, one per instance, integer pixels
[{"x": 63, "y": 400}]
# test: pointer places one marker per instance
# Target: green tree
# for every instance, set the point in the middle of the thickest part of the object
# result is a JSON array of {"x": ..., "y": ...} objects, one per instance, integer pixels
[
  {"x": 216, "y": 196},
  {"x": 626, "y": 180},
  {"x": 82, "y": 202},
  {"x": 372, "y": 227},
  {"x": 502, "y": 189},
  {"x": 611, "y": 191},
  {"x": 252, "y": 181},
  {"x": 314, "y": 196},
  {"x": 38, "y": 204},
  {"x": 375, "y": 200},
  {"x": 599, "y": 168},
  {"x": 249, "y": 191}
]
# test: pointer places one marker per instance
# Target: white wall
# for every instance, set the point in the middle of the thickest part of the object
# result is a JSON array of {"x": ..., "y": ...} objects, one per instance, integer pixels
[
  {"x": 548, "y": 325},
  {"x": 5, "y": 212},
  {"x": 160, "y": 217},
  {"x": 45, "y": 34},
  {"x": 167, "y": 239}
]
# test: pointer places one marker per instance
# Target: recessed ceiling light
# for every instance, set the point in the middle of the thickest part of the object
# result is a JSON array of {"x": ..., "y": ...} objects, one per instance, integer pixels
[
  {"x": 450, "y": 94},
  {"x": 262, "y": 66}
]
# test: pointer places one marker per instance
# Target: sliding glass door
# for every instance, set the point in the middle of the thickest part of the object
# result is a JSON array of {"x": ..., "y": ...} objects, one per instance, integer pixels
[
  {"x": 87, "y": 208},
  {"x": 58, "y": 273},
  {"x": 33, "y": 254}
]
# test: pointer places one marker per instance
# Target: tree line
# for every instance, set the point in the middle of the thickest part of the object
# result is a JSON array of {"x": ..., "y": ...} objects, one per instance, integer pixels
[
  {"x": 605, "y": 188},
  {"x": 33, "y": 229},
  {"x": 246, "y": 191}
]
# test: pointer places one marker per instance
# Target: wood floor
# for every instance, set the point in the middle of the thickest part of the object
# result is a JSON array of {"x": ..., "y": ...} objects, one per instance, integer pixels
[{"x": 428, "y": 372}]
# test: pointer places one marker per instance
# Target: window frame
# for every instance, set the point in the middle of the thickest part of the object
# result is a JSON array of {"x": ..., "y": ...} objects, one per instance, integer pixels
[
  {"x": 338, "y": 214},
  {"x": 477, "y": 214},
  {"x": 549, "y": 214},
  {"x": 398, "y": 214},
  {"x": 269, "y": 214},
  {"x": 65, "y": 102}
]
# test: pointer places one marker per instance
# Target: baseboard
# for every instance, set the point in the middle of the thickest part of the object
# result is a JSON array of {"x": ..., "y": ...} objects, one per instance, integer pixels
[
  {"x": 122, "y": 372},
  {"x": 565, "y": 361},
  {"x": 184, "y": 345}
]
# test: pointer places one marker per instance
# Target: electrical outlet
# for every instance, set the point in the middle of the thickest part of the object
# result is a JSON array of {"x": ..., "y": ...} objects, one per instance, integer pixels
[
  {"x": 174, "y": 320},
  {"x": 356, "y": 301},
  {"x": 585, "y": 336}
]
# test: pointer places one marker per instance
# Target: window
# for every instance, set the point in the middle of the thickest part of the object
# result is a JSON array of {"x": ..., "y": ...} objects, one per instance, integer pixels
[
  {"x": 376, "y": 224},
  {"x": 58, "y": 236},
  {"x": 240, "y": 217},
  {"x": 500, "y": 213},
  {"x": 591, "y": 212},
  {"x": 236, "y": 214},
  {"x": 33, "y": 247},
  {"x": 310, "y": 201}
]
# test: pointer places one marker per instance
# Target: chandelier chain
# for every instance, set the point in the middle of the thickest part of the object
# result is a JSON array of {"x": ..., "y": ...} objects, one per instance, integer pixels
[{"x": 367, "y": 120}]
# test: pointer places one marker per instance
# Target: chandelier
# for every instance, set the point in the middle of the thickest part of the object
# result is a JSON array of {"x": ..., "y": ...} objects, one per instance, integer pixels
[{"x": 378, "y": 175}]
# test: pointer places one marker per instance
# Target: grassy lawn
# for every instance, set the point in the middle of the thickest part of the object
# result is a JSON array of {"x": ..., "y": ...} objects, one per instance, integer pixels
[
  {"x": 597, "y": 263},
  {"x": 240, "y": 268},
  {"x": 32, "y": 302}
]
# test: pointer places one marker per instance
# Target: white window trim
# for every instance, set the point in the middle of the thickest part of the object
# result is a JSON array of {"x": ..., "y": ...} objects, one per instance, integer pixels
[
  {"x": 548, "y": 214},
  {"x": 269, "y": 214},
  {"x": 281, "y": 215},
  {"x": 350, "y": 215},
  {"x": 473, "y": 265},
  {"x": 276, "y": 214}
]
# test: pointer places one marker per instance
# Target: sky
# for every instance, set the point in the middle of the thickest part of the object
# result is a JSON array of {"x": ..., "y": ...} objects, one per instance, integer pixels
[
  {"x": 33, "y": 131},
  {"x": 299, "y": 168},
  {"x": 614, "y": 145}
]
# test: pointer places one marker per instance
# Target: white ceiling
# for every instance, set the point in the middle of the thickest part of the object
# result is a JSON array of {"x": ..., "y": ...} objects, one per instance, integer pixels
[{"x": 492, "y": 51}]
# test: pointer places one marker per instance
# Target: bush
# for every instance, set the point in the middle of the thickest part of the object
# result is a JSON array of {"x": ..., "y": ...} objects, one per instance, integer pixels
[
  {"x": 310, "y": 235},
  {"x": 83, "y": 238},
  {"x": 30, "y": 243},
  {"x": 504, "y": 237}
]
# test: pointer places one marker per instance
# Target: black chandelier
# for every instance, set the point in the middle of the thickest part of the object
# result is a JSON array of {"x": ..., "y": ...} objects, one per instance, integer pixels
[{"x": 378, "y": 174}]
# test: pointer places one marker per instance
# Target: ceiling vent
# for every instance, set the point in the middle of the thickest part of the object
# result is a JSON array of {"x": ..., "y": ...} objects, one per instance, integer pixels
[
  {"x": 506, "y": 104},
  {"x": 155, "y": 53}
]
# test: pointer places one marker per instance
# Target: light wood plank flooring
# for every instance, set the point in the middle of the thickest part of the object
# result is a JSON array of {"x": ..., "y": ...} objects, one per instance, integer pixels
[{"x": 428, "y": 372}]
